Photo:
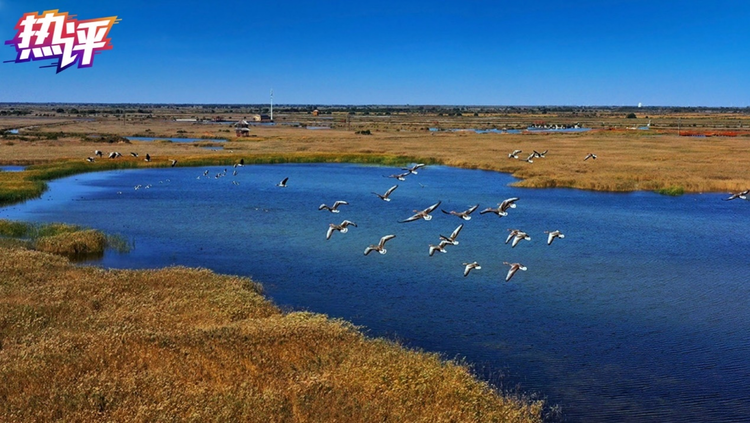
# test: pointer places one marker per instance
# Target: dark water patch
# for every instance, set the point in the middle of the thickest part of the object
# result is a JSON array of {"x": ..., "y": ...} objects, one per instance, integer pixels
[
  {"x": 12, "y": 168},
  {"x": 641, "y": 313}
]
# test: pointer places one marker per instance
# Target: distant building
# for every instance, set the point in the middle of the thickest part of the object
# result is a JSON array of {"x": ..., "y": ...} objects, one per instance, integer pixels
[
  {"x": 261, "y": 118},
  {"x": 241, "y": 128},
  {"x": 186, "y": 120}
]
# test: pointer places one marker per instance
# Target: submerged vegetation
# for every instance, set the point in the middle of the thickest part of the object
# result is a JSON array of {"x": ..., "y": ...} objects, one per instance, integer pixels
[
  {"x": 62, "y": 239},
  {"x": 85, "y": 343},
  {"x": 674, "y": 190}
]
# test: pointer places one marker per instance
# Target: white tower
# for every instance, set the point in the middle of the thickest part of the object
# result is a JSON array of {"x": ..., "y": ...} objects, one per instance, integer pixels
[{"x": 271, "y": 104}]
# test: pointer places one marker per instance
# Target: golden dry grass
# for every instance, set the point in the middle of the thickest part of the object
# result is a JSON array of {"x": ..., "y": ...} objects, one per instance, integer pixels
[
  {"x": 62, "y": 239},
  {"x": 85, "y": 344}
]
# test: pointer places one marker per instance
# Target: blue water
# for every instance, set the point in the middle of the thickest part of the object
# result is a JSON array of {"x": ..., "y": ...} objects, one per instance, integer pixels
[
  {"x": 12, "y": 168},
  {"x": 174, "y": 139},
  {"x": 641, "y": 313}
]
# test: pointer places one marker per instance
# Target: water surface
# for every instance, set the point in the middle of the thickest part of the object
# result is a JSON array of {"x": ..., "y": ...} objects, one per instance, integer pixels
[{"x": 642, "y": 312}]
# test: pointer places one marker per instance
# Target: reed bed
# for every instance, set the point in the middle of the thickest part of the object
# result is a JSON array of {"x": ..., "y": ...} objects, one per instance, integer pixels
[
  {"x": 62, "y": 239},
  {"x": 85, "y": 343}
]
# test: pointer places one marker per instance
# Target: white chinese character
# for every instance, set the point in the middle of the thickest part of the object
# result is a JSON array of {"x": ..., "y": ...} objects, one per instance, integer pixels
[
  {"x": 25, "y": 35},
  {"x": 91, "y": 37}
]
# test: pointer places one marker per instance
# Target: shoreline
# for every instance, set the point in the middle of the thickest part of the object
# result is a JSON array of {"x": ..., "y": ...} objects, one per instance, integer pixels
[{"x": 30, "y": 183}]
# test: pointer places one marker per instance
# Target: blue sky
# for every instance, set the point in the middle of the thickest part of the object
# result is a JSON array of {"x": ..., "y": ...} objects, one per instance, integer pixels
[{"x": 494, "y": 52}]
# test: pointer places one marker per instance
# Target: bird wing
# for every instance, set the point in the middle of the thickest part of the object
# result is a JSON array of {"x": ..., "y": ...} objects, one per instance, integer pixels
[
  {"x": 467, "y": 269},
  {"x": 369, "y": 249},
  {"x": 488, "y": 210},
  {"x": 385, "y": 239},
  {"x": 471, "y": 209},
  {"x": 330, "y": 232},
  {"x": 390, "y": 190},
  {"x": 512, "y": 271},
  {"x": 284, "y": 181},
  {"x": 340, "y": 203},
  {"x": 323, "y": 206},
  {"x": 512, "y": 233},
  {"x": 413, "y": 218},
  {"x": 432, "y": 207},
  {"x": 508, "y": 204},
  {"x": 550, "y": 238},
  {"x": 348, "y": 223},
  {"x": 516, "y": 240},
  {"x": 456, "y": 231}
]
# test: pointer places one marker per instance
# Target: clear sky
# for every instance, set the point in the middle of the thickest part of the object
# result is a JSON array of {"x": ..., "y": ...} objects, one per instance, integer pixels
[{"x": 493, "y": 52}]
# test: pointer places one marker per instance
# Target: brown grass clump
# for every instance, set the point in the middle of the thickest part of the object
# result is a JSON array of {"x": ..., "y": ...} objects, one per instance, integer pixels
[
  {"x": 84, "y": 343},
  {"x": 85, "y": 243},
  {"x": 62, "y": 239}
]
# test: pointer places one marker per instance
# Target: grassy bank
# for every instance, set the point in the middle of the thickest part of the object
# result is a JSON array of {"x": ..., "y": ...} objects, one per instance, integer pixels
[{"x": 84, "y": 343}]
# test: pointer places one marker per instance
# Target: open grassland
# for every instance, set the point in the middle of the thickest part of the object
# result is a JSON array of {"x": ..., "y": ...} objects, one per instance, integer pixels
[{"x": 85, "y": 344}]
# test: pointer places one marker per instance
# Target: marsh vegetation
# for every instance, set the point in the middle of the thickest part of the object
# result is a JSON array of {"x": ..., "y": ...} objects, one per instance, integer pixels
[{"x": 84, "y": 343}]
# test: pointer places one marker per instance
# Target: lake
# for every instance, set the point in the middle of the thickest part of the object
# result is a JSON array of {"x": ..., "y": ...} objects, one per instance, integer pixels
[{"x": 641, "y": 313}]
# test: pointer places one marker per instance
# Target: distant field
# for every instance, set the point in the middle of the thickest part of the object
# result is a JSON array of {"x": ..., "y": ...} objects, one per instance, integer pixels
[{"x": 712, "y": 159}]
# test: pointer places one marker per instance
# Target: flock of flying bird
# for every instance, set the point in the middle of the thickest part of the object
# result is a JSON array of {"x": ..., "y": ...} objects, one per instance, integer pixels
[{"x": 515, "y": 236}]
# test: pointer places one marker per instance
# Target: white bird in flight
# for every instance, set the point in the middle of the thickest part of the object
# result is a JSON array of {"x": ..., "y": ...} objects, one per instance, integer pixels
[
  {"x": 385, "y": 197},
  {"x": 380, "y": 248},
  {"x": 334, "y": 207},
  {"x": 470, "y": 266},
  {"x": 464, "y": 214},
  {"x": 341, "y": 227},
  {"x": 452, "y": 239},
  {"x": 514, "y": 267},
  {"x": 424, "y": 214},
  {"x": 552, "y": 235}
]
